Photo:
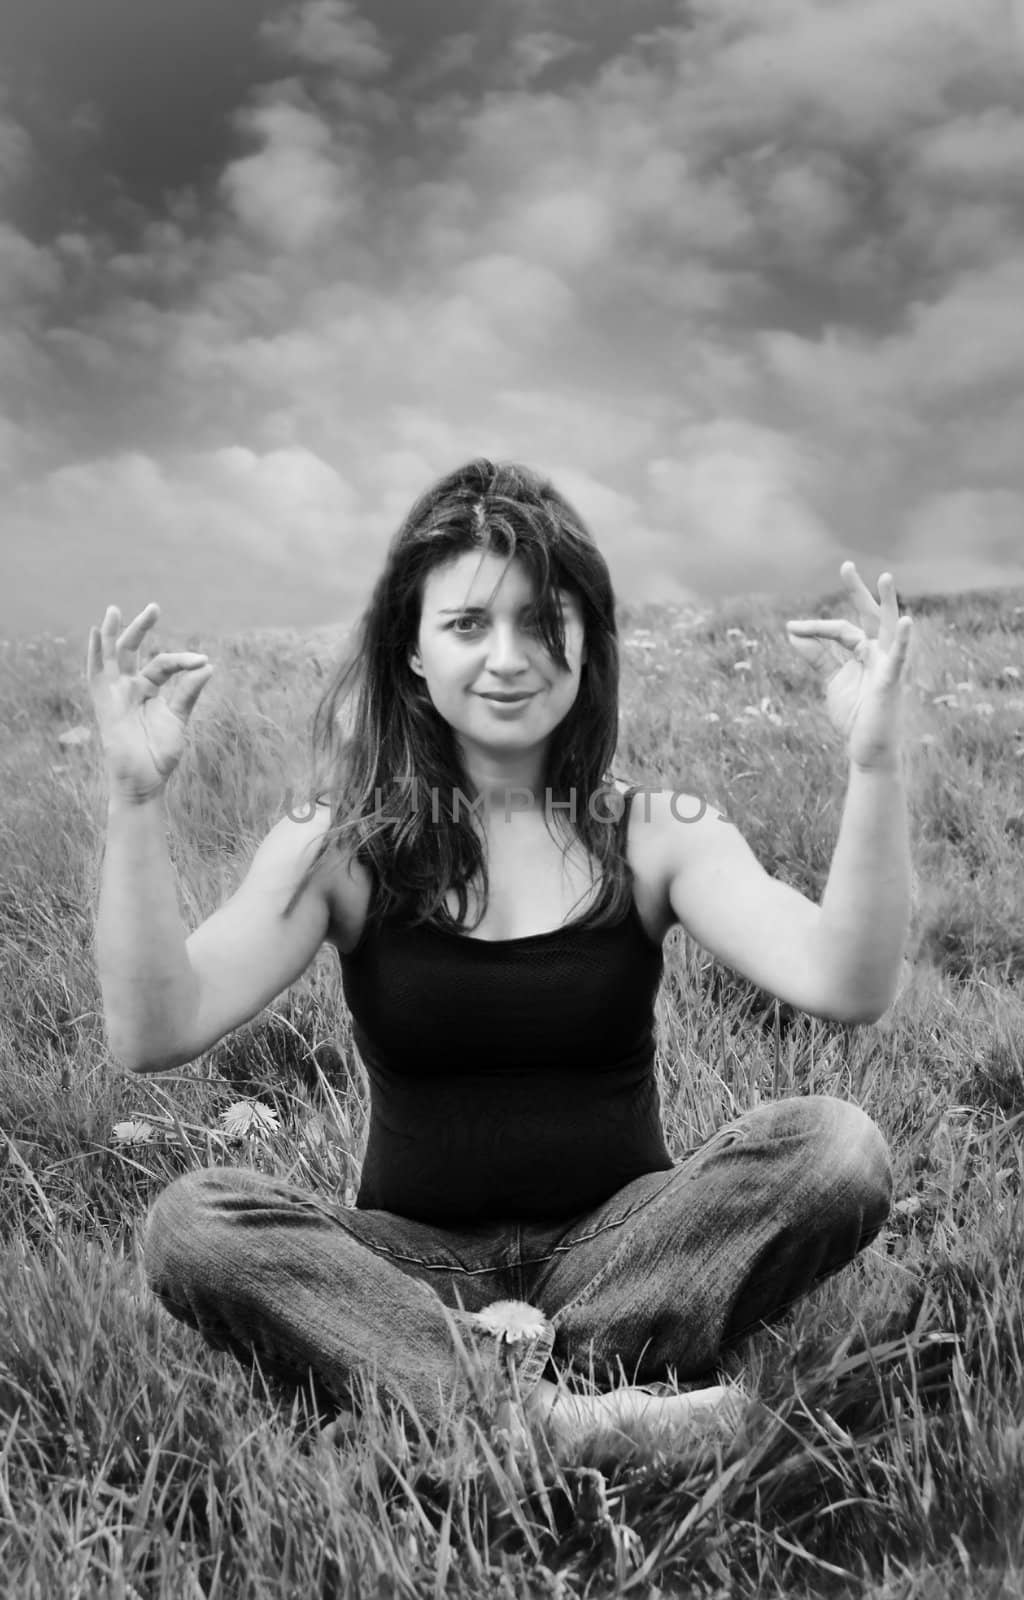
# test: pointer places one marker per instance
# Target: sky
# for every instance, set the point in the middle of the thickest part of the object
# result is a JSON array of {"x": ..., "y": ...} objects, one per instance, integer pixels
[{"x": 744, "y": 278}]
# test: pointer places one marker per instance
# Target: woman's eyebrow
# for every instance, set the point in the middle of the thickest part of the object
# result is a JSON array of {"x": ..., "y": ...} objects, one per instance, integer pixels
[{"x": 461, "y": 611}]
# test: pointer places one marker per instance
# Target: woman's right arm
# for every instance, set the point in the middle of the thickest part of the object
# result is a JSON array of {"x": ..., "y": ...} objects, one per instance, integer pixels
[
  {"x": 168, "y": 996},
  {"x": 146, "y": 978}
]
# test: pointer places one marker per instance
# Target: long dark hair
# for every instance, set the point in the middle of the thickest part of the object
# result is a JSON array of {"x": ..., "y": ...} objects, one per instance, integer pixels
[{"x": 397, "y": 746}]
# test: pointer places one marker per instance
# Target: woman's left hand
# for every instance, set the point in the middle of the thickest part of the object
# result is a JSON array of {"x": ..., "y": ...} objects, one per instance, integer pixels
[{"x": 865, "y": 664}]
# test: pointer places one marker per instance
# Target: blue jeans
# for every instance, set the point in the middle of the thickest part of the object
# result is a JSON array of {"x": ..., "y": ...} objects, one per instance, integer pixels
[{"x": 657, "y": 1281}]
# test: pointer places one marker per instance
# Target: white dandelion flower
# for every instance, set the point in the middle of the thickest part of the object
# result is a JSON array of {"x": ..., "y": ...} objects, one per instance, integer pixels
[
  {"x": 249, "y": 1117},
  {"x": 511, "y": 1321},
  {"x": 712, "y": 716},
  {"x": 1010, "y": 672},
  {"x": 741, "y": 666},
  {"x": 133, "y": 1132}
]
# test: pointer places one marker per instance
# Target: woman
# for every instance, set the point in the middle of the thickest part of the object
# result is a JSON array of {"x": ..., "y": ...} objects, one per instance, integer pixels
[{"x": 499, "y": 908}]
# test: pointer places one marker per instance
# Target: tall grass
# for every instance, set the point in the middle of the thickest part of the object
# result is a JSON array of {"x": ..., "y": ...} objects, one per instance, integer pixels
[{"x": 883, "y": 1454}]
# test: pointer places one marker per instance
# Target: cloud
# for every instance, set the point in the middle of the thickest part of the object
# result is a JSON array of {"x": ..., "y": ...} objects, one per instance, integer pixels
[
  {"x": 329, "y": 35},
  {"x": 282, "y": 507},
  {"x": 525, "y": 299},
  {"x": 532, "y": 53},
  {"x": 965, "y": 538},
  {"x": 862, "y": 73},
  {"x": 299, "y": 187},
  {"x": 747, "y": 286},
  {"x": 15, "y": 154},
  {"x": 734, "y": 498},
  {"x": 983, "y": 153}
]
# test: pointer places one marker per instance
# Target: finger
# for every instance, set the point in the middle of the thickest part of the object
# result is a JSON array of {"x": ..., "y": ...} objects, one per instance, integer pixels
[
  {"x": 168, "y": 664},
  {"x": 137, "y": 629},
  {"x": 896, "y": 658},
  {"x": 93, "y": 655},
  {"x": 890, "y": 609},
  {"x": 842, "y": 631},
  {"x": 108, "y": 632},
  {"x": 187, "y": 692},
  {"x": 861, "y": 595}
]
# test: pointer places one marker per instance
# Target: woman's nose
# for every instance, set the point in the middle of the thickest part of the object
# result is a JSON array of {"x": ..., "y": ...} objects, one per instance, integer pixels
[{"x": 507, "y": 649}]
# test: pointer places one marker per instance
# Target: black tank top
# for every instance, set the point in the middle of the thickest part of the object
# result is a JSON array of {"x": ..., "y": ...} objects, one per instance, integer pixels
[{"x": 510, "y": 1079}]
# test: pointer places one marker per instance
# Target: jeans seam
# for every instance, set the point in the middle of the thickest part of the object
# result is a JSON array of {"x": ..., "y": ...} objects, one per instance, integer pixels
[
  {"x": 591, "y": 1288},
  {"x": 606, "y": 1227},
  {"x": 433, "y": 1266}
]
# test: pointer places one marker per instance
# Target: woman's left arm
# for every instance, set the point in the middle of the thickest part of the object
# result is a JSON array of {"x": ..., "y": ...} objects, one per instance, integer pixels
[
  {"x": 840, "y": 959},
  {"x": 866, "y": 905}
]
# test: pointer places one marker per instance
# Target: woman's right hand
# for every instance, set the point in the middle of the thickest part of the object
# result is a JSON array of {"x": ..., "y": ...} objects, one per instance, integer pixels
[{"x": 142, "y": 733}]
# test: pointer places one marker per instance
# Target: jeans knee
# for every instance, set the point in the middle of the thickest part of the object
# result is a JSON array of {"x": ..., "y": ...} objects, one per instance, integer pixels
[
  {"x": 176, "y": 1223},
  {"x": 854, "y": 1156}
]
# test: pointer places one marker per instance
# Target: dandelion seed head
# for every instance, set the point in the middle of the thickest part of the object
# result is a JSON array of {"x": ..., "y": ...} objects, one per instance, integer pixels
[
  {"x": 249, "y": 1117},
  {"x": 133, "y": 1132},
  {"x": 511, "y": 1321}
]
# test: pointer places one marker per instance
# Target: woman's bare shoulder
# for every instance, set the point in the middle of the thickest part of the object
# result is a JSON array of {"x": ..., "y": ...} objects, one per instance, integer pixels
[
  {"x": 668, "y": 825},
  {"x": 344, "y": 880}
]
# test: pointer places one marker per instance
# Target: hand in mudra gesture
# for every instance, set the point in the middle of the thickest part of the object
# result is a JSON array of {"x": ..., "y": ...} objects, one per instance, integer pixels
[
  {"x": 864, "y": 666},
  {"x": 142, "y": 732}
]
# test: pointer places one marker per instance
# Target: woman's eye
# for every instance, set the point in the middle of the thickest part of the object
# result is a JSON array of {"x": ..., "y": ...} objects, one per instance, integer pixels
[{"x": 471, "y": 622}]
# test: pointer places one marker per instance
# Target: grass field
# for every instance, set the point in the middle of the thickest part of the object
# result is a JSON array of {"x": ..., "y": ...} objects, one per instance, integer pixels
[{"x": 883, "y": 1453}]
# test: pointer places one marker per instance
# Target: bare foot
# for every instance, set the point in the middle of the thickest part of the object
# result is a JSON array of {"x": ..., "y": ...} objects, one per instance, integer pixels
[{"x": 568, "y": 1417}]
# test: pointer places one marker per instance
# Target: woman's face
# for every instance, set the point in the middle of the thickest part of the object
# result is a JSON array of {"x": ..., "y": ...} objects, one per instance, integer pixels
[{"x": 477, "y": 640}]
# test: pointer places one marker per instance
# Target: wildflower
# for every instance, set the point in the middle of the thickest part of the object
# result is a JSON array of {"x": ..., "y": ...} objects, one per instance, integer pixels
[
  {"x": 945, "y": 700},
  {"x": 741, "y": 666},
  {"x": 1010, "y": 672},
  {"x": 712, "y": 716},
  {"x": 511, "y": 1321},
  {"x": 984, "y": 708},
  {"x": 75, "y": 736},
  {"x": 964, "y": 688},
  {"x": 734, "y": 633},
  {"x": 249, "y": 1117},
  {"x": 133, "y": 1132}
]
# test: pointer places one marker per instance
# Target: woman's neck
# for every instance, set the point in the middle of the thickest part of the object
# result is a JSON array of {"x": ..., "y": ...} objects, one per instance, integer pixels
[{"x": 503, "y": 789}]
